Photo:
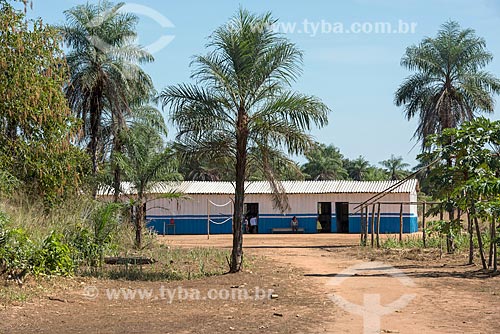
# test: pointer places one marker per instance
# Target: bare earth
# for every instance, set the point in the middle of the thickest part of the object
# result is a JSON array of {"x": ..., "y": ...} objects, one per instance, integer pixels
[{"x": 321, "y": 282}]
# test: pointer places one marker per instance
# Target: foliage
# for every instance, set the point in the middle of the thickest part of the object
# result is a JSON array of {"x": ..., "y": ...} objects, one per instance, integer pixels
[
  {"x": 241, "y": 106},
  {"x": 395, "y": 168},
  {"x": 465, "y": 175},
  {"x": 53, "y": 258},
  {"x": 35, "y": 122},
  {"x": 20, "y": 255},
  {"x": 106, "y": 79},
  {"x": 324, "y": 163},
  {"x": 93, "y": 238},
  {"x": 449, "y": 86},
  {"x": 145, "y": 161}
]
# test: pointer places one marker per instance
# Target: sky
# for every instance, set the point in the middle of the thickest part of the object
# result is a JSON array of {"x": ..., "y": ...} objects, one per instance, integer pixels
[{"x": 350, "y": 60}]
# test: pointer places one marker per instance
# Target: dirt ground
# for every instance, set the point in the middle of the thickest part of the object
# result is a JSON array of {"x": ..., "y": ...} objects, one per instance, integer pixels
[{"x": 319, "y": 284}]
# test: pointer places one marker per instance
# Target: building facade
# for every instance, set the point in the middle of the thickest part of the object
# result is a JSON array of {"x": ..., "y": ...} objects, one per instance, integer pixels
[{"x": 320, "y": 207}]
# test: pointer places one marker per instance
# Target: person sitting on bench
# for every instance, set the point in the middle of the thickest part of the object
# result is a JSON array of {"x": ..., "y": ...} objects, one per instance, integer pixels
[{"x": 295, "y": 224}]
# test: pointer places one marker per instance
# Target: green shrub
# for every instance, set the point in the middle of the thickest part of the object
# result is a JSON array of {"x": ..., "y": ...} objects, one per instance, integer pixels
[
  {"x": 54, "y": 257},
  {"x": 93, "y": 239},
  {"x": 15, "y": 249}
]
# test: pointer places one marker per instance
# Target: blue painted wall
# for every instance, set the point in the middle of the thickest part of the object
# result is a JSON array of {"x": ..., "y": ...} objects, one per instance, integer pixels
[{"x": 197, "y": 224}]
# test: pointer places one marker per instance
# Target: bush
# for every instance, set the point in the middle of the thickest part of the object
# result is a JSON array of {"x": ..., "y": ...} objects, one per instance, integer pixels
[
  {"x": 16, "y": 253},
  {"x": 53, "y": 258},
  {"x": 93, "y": 238},
  {"x": 19, "y": 255}
]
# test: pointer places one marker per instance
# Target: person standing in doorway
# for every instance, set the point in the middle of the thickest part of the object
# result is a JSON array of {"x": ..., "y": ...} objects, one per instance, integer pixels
[
  {"x": 295, "y": 224},
  {"x": 253, "y": 224}
]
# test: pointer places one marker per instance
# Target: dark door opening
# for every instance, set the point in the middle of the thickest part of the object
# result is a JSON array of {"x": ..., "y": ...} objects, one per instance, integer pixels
[
  {"x": 342, "y": 214},
  {"x": 252, "y": 211},
  {"x": 325, "y": 216}
]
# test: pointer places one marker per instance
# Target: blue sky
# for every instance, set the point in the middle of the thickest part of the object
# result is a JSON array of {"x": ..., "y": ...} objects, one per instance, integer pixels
[{"x": 355, "y": 73}]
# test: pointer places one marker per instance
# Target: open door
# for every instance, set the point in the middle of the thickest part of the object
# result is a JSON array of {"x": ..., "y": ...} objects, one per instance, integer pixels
[
  {"x": 325, "y": 216},
  {"x": 342, "y": 214},
  {"x": 252, "y": 211}
]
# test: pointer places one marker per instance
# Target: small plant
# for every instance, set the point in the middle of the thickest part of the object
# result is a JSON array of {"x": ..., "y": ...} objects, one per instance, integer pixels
[{"x": 53, "y": 258}]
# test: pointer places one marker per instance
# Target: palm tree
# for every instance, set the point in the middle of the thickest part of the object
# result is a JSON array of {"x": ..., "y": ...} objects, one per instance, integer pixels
[
  {"x": 242, "y": 107},
  {"x": 105, "y": 76},
  {"x": 449, "y": 86},
  {"x": 358, "y": 168},
  {"x": 395, "y": 167},
  {"x": 144, "y": 162},
  {"x": 325, "y": 163}
]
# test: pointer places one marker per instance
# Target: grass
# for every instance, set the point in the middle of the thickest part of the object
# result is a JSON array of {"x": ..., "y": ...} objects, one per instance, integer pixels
[{"x": 171, "y": 264}]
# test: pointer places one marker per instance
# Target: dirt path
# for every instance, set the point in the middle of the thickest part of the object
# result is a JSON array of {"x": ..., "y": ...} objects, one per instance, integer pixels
[{"x": 429, "y": 297}]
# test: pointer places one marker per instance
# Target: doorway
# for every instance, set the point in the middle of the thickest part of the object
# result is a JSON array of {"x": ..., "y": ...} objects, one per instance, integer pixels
[
  {"x": 342, "y": 214},
  {"x": 252, "y": 211},
  {"x": 325, "y": 216}
]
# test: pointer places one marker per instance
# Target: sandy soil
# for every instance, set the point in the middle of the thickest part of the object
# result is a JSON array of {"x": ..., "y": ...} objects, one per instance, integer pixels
[{"x": 321, "y": 283}]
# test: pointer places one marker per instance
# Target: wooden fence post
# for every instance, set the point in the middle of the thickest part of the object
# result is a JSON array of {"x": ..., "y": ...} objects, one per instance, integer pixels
[
  {"x": 401, "y": 223},
  {"x": 366, "y": 225},
  {"x": 423, "y": 225},
  {"x": 378, "y": 226},
  {"x": 373, "y": 225}
]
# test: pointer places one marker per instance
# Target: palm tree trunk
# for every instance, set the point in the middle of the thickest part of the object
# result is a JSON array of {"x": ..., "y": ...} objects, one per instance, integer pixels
[
  {"x": 117, "y": 148},
  {"x": 139, "y": 221},
  {"x": 95, "y": 119},
  {"x": 239, "y": 195}
]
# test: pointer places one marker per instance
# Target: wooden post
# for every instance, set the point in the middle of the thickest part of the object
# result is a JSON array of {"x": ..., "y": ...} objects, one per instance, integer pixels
[
  {"x": 361, "y": 227},
  {"x": 373, "y": 225},
  {"x": 366, "y": 225},
  {"x": 401, "y": 223},
  {"x": 378, "y": 226},
  {"x": 423, "y": 225},
  {"x": 208, "y": 220}
]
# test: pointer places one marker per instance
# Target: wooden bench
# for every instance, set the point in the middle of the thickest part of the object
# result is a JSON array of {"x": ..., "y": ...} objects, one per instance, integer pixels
[{"x": 286, "y": 230}]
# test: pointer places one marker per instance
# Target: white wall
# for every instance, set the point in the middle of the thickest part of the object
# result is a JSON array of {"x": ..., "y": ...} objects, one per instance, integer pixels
[{"x": 299, "y": 203}]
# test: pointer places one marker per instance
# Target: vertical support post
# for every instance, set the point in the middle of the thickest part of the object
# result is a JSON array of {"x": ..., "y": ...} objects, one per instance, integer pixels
[
  {"x": 424, "y": 237},
  {"x": 373, "y": 226},
  {"x": 378, "y": 226},
  {"x": 208, "y": 219},
  {"x": 401, "y": 223},
  {"x": 366, "y": 225},
  {"x": 163, "y": 227},
  {"x": 362, "y": 226}
]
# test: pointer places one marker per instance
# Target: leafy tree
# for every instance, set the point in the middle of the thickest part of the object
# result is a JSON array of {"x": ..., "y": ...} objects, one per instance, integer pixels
[
  {"x": 395, "y": 167},
  {"x": 36, "y": 125},
  {"x": 242, "y": 106},
  {"x": 145, "y": 161},
  {"x": 106, "y": 79},
  {"x": 325, "y": 163},
  {"x": 471, "y": 183},
  {"x": 449, "y": 86}
]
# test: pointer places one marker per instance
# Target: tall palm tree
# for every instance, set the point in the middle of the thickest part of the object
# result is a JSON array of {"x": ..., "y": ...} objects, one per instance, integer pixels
[
  {"x": 396, "y": 169},
  {"x": 449, "y": 86},
  {"x": 242, "y": 106},
  {"x": 105, "y": 74}
]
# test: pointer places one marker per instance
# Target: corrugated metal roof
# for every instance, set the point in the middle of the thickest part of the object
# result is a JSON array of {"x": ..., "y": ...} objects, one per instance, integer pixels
[{"x": 263, "y": 187}]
